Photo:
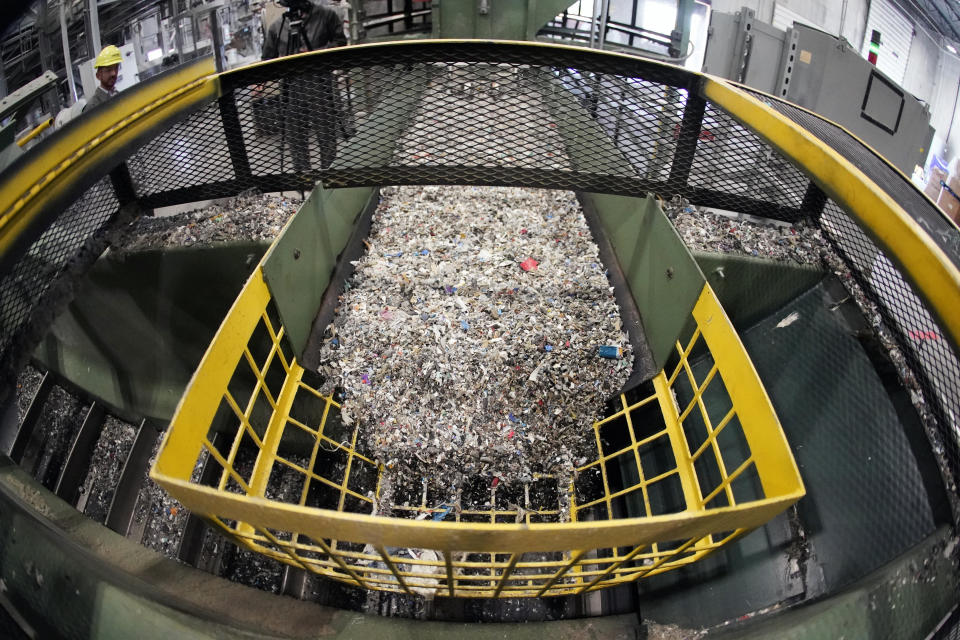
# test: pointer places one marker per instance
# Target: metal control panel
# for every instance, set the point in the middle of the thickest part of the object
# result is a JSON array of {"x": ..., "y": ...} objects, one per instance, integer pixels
[{"x": 824, "y": 74}]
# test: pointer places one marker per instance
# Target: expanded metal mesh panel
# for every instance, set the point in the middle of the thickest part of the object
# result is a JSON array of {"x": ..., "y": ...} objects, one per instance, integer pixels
[
  {"x": 72, "y": 238},
  {"x": 194, "y": 152},
  {"x": 924, "y": 348},
  {"x": 897, "y": 186},
  {"x": 738, "y": 166},
  {"x": 933, "y": 365},
  {"x": 642, "y": 118},
  {"x": 482, "y": 116},
  {"x": 466, "y": 114}
]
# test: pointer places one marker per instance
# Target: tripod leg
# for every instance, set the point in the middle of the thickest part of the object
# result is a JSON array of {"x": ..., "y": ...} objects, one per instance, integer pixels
[
  {"x": 344, "y": 102},
  {"x": 327, "y": 121},
  {"x": 299, "y": 115},
  {"x": 284, "y": 109}
]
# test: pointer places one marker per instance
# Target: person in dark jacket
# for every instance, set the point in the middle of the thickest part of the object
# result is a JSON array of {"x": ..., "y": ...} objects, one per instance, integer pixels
[
  {"x": 308, "y": 25},
  {"x": 107, "y": 65}
]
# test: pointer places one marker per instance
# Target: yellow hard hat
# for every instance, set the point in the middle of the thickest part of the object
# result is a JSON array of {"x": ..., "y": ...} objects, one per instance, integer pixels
[{"x": 108, "y": 57}]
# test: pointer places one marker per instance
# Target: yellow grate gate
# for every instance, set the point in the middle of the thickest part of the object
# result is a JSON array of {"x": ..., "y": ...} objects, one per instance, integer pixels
[{"x": 678, "y": 472}]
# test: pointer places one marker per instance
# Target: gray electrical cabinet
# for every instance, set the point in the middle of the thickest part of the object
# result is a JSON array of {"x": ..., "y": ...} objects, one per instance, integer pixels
[{"x": 824, "y": 74}]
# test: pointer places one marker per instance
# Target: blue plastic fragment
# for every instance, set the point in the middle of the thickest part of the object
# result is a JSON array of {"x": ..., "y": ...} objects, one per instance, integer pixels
[
  {"x": 548, "y": 347},
  {"x": 464, "y": 325},
  {"x": 442, "y": 512},
  {"x": 608, "y": 351}
]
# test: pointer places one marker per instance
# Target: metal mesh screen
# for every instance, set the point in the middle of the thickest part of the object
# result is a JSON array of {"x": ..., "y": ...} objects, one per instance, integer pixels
[
  {"x": 929, "y": 365},
  {"x": 923, "y": 355},
  {"x": 744, "y": 173},
  {"x": 897, "y": 186},
  {"x": 456, "y": 114},
  {"x": 194, "y": 152},
  {"x": 28, "y": 292}
]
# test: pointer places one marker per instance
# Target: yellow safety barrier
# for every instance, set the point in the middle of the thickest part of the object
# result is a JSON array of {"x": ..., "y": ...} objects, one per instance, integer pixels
[
  {"x": 932, "y": 272},
  {"x": 40, "y": 128},
  {"x": 678, "y": 472},
  {"x": 45, "y": 174}
]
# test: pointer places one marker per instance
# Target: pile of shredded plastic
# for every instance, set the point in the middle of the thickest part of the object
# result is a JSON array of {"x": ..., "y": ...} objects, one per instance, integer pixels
[{"x": 479, "y": 336}]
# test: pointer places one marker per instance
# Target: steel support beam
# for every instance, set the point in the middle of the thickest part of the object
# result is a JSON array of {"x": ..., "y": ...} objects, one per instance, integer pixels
[
  {"x": 64, "y": 41},
  {"x": 604, "y": 14},
  {"x": 93, "y": 28},
  {"x": 680, "y": 37}
]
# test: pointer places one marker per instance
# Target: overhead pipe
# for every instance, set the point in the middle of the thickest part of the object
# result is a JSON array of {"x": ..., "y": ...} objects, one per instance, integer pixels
[{"x": 94, "y": 15}]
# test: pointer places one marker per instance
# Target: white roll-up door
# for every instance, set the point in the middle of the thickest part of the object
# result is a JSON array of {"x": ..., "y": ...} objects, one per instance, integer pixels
[{"x": 896, "y": 36}]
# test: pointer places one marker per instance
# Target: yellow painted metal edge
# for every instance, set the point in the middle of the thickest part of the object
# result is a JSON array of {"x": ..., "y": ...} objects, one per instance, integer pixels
[
  {"x": 849, "y": 133},
  {"x": 428, "y": 41},
  {"x": 51, "y": 169},
  {"x": 460, "y": 536},
  {"x": 678, "y": 443},
  {"x": 821, "y": 118},
  {"x": 927, "y": 266},
  {"x": 182, "y": 445},
  {"x": 271, "y": 438},
  {"x": 40, "y": 128},
  {"x": 195, "y": 413},
  {"x": 771, "y": 453}
]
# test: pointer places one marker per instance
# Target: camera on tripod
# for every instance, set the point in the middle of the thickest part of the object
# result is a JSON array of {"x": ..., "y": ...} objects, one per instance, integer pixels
[{"x": 295, "y": 6}]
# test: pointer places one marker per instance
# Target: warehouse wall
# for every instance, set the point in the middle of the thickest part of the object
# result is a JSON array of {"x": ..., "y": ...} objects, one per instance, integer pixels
[
  {"x": 944, "y": 105},
  {"x": 825, "y": 14},
  {"x": 922, "y": 66}
]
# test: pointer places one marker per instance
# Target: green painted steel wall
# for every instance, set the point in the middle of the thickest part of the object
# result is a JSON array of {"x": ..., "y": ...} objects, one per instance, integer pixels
[
  {"x": 752, "y": 288},
  {"x": 502, "y": 21},
  {"x": 298, "y": 266},
  {"x": 664, "y": 279},
  {"x": 140, "y": 322}
]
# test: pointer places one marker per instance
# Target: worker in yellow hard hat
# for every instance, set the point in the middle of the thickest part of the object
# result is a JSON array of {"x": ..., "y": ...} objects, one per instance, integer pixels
[{"x": 108, "y": 68}]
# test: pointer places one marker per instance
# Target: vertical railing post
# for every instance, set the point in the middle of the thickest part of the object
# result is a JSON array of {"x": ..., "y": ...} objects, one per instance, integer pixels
[
  {"x": 233, "y": 132},
  {"x": 814, "y": 200},
  {"x": 687, "y": 137},
  {"x": 123, "y": 185}
]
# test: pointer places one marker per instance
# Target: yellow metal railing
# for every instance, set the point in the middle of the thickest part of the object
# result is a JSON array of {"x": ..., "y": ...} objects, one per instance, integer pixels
[
  {"x": 903, "y": 239},
  {"x": 678, "y": 472},
  {"x": 36, "y": 131},
  {"x": 79, "y": 150}
]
